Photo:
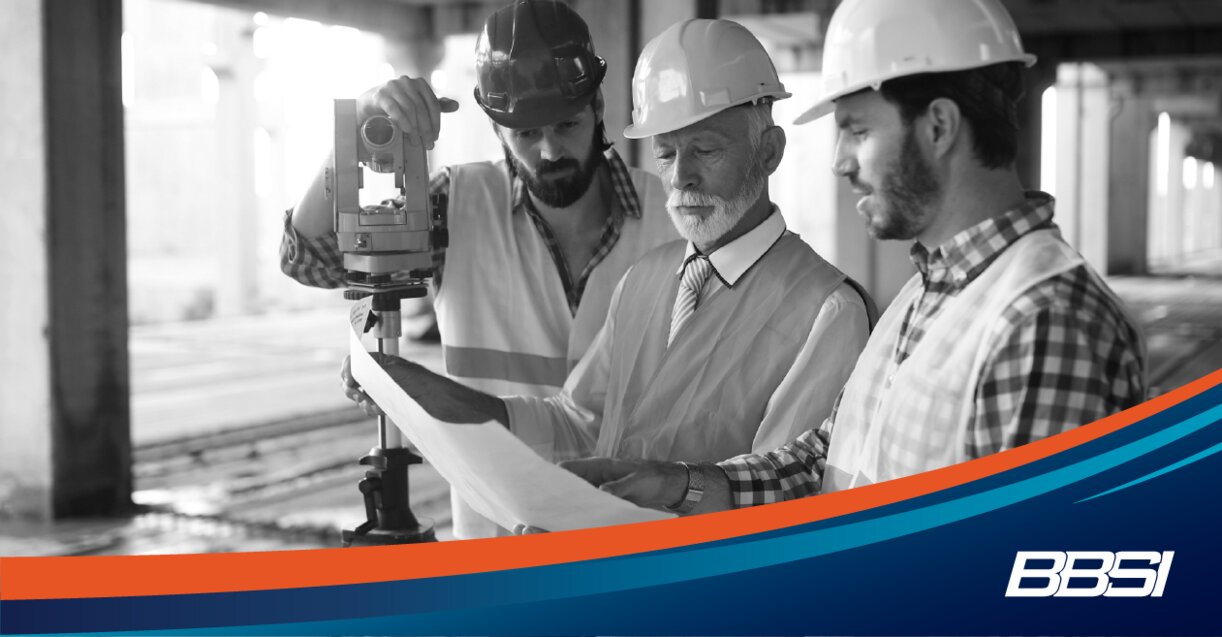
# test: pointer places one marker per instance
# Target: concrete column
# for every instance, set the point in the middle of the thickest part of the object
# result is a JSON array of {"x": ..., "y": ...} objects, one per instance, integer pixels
[
  {"x": 614, "y": 28},
  {"x": 1129, "y": 183},
  {"x": 1030, "y": 114},
  {"x": 25, "y": 383},
  {"x": 65, "y": 448},
  {"x": 414, "y": 55},
  {"x": 657, "y": 16},
  {"x": 1081, "y": 150},
  {"x": 238, "y": 212}
]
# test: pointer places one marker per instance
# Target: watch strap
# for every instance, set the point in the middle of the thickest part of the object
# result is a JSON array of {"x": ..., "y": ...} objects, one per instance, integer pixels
[{"x": 695, "y": 490}]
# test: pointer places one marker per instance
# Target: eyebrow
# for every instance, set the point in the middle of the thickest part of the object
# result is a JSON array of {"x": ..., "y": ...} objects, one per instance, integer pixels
[{"x": 846, "y": 121}]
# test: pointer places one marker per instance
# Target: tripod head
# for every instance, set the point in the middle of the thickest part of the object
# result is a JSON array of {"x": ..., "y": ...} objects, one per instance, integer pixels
[{"x": 394, "y": 244}]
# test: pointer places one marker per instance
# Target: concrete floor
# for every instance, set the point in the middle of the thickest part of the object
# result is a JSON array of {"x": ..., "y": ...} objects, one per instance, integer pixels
[{"x": 244, "y": 443}]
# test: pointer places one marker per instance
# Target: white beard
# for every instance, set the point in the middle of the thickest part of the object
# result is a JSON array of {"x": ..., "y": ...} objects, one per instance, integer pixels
[{"x": 726, "y": 212}]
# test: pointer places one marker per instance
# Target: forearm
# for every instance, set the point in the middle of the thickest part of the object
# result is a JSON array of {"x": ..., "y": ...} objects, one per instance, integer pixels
[
  {"x": 792, "y": 471},
  {"x": 312, "y": 215},
  {"x": 447, "y": 400},
  {"x": 309, "y": 251}
]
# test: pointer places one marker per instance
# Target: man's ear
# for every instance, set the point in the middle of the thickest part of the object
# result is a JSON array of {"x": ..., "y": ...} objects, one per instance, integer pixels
[
  {"x": 597, "y": 103},
  {"x": 942, "y": 125},
  {"x": 772, "y": 148}
]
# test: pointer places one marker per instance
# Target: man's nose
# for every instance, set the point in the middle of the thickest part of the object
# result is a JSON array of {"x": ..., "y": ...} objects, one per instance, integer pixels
[
  {"x": 843, "y": 163},
  {"x": 550, "y": 148},
  {"x": 684, "y": 174}
]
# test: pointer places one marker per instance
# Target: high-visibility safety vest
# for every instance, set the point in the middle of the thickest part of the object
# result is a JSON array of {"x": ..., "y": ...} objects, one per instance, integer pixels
[
  {"x": 894, "y": 421},
  {"x": 704, "y": 397},
  {"x": 505, "y": 322}
]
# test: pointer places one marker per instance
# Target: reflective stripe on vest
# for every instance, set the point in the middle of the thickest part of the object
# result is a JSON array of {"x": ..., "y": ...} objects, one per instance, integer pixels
[{"x": 475, "y": 362}]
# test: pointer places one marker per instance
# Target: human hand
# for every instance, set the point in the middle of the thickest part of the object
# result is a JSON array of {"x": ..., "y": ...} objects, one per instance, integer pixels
[
  {"x": 648, "y": 483},
  {"x": 397, "y": 368},
  {"x": 411, "y": 104},
  {"x": 352, "y": 390}
]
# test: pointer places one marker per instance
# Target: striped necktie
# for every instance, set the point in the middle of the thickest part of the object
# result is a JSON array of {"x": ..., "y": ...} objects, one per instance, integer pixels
[{"x": 695, "y": 273}]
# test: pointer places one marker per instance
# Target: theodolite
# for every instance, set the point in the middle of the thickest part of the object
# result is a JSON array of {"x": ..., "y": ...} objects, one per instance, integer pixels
[{"x": 389, "y": 250}]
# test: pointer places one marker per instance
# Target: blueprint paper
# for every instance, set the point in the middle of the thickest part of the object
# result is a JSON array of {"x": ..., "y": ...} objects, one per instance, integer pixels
[{"x": 497, "y": 474}]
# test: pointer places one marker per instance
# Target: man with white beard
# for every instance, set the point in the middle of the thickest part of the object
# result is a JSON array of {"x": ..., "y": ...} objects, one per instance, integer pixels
[{"x": 727, "y": 342}]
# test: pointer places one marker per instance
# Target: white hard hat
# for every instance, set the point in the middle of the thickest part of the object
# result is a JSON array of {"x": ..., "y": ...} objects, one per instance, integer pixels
[
  {"x": 871, "y": 41},
  {"x": 697, "y": 68}
]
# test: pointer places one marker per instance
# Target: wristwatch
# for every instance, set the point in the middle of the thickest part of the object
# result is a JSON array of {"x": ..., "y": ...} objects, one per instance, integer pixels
[{"x": 695, "y": 490}]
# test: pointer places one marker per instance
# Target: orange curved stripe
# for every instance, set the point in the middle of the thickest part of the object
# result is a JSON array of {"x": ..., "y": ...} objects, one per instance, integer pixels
[{"x": 23, "y": 578}]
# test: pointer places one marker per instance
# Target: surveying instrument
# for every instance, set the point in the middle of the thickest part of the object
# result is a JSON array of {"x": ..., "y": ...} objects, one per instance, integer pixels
[{"x": 388, "y": 251}]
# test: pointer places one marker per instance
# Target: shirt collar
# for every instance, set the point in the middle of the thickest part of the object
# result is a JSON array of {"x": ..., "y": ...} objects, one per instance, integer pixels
[
  {"x": 732, "y": 260},
  {"x": 964, "y": 256},
  {"x": 621, "y": 184}
]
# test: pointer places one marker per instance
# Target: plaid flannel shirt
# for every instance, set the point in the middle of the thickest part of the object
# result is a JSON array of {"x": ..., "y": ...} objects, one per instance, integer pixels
[
  {"x": 317, "y": 261},
  {"x": 1071, "y": 357}
]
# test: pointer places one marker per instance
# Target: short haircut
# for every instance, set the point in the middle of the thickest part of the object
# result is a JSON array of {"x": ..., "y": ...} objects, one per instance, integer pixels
[
  {"x": 987, "y": 98},
  {"x": 759, "y": 119}
]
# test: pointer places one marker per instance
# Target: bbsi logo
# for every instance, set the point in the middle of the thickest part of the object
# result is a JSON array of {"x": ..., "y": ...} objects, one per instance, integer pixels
[{"x": 1093, "y": 574}]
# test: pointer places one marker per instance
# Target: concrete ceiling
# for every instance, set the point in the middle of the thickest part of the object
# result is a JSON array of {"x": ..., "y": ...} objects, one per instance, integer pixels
[
  {"x": 1093, "y": 16},
  {"x": 1033, "y": 17}
]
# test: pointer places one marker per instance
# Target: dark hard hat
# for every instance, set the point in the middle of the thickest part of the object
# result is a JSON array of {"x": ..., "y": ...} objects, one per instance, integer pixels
[{"x": 535, "y": 64}]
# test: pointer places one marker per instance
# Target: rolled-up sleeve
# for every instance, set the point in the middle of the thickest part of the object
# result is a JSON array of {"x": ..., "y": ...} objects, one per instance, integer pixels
[
  {"x": 791, "y": 471},
  {"x": 315, "y": 262}
]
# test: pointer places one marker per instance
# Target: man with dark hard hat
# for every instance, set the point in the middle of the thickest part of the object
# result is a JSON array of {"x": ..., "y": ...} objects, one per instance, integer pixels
[
  {"x": 722, "y": 343},
  {"x": 537, "y": 241},
  {"x": 1004, "y": 336}
]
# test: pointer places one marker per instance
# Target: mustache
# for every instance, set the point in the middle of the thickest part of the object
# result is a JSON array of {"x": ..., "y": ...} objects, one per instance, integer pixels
[
  {"x": 547, "y": 167},
  {"x": 859, "y": 185},
  {"x": 679, "y": 198}
]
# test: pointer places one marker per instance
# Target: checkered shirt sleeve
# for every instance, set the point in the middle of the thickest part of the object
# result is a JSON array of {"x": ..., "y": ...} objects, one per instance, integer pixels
[
  {"x": 792, "y": 471},
  {"x": 317, "y": 261},
  {"x": 1065, "y": 356}
]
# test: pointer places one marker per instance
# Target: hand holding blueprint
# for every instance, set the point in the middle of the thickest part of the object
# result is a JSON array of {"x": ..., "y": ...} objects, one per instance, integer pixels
[{"x": 498, "y": 475}]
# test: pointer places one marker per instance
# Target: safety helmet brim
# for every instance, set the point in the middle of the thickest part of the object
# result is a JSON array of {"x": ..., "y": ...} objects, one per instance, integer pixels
[
  {"x": 528, "y": 116},
  {"x": 633, "y": 131}
]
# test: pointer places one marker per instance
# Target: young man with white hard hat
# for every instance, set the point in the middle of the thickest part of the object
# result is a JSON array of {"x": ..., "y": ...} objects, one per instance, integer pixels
[
  {"x": 1004, "y": 336},
  {"x": 717, "y": 345},
  {"x": 537, "y": 241}
]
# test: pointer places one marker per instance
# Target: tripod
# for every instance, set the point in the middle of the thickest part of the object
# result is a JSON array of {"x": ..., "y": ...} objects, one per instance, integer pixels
[{"x": 388, "y": 515}]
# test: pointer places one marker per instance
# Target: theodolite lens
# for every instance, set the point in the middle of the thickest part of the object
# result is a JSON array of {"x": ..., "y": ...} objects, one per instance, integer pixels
[{"x": 378, "y": 131}]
